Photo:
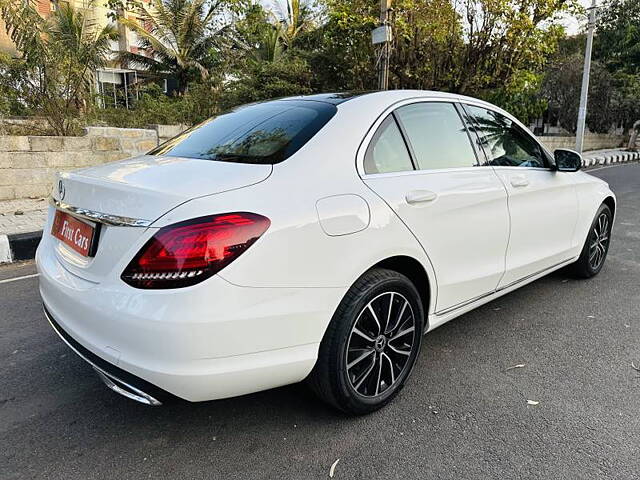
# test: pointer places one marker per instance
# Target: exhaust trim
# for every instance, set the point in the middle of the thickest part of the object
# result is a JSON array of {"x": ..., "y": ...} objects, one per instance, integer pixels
[{"x": 125, "y": 389}]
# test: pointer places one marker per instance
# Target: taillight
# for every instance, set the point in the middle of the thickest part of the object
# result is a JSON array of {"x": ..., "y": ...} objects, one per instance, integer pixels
[{"x": 189, "y": 252}]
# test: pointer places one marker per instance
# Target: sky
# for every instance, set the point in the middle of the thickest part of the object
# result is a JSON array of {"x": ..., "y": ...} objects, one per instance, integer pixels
[{"x": 574, "y": 25}]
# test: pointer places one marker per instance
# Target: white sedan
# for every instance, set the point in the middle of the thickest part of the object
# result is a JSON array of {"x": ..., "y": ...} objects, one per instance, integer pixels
[{"x": 314, "y": 238}]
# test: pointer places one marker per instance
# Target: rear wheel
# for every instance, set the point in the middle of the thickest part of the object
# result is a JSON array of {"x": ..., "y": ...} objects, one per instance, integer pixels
[
  {"x": 371, "y": 344},
  {"x": 594, "y": 252}
]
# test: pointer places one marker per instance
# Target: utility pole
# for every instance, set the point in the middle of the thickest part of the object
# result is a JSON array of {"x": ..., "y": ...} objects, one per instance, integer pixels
[
  {"x": 382, "y": 36},
  {"x": 582, "y": 111}
]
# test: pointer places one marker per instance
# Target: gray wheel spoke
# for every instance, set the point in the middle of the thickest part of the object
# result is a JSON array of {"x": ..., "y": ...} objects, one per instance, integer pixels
[
  {"x": 365, "y": 375},
  {"x": 398, "y": 323},
  {"x": 360, "y": 358},
  {"x": 360, "y": 333},
  {"x": 401, "y": 352},
  {"x": 386, "y": 327},
  {"x": 379, "y": 360},
  {"x": 393, "y": 376},
  {"x": 402, "y": 333},
  {"x": 375, "y": 317}
]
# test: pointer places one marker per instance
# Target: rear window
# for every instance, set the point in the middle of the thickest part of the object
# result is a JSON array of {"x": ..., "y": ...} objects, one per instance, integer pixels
[{"x": 264, "y": 133}]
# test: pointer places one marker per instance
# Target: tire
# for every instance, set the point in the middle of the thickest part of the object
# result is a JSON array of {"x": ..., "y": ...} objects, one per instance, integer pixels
[
  {"x": 596, "y": 246},
  {"x": 345, "y": 373}
]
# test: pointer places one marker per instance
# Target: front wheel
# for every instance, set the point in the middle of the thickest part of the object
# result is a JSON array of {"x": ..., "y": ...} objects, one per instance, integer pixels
[
  {"x": 594, "y": 252},
  {"x": 371, "y": 344}
]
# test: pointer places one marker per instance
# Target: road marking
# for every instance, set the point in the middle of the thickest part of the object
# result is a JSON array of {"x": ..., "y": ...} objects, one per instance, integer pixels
[{"x": 9, "y": 280}]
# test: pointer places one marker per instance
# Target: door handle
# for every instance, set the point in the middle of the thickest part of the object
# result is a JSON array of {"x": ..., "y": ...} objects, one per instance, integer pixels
[
  {"x": 519, "y": 181},
  {"x": 420, "y": 196}
]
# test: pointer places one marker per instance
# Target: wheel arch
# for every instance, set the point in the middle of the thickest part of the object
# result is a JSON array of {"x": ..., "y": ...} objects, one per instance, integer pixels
[
  {"x": 414, "y": 271},
  {"x": 611, "y": 203}
]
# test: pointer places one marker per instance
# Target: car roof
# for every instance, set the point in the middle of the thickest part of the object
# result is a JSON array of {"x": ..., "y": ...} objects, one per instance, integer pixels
[
  {"x": 335, "y": 98},
  {"x": 338, "y": 98}
]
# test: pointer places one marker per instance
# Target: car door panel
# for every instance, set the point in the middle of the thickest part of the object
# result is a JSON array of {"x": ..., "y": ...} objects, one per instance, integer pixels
[
  {"x": 543, "y": 218},
  {"x": 543, "y": 205},
  {"x": 464, "y": 229}
]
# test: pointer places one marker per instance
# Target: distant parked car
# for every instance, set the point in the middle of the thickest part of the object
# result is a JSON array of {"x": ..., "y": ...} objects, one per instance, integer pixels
[{"x": 312, "y": 238}]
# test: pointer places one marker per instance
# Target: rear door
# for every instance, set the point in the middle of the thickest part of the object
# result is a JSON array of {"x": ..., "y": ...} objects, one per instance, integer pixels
[
  {"x": 543, "y": 204},
  {"x": 421, "y": 161}
]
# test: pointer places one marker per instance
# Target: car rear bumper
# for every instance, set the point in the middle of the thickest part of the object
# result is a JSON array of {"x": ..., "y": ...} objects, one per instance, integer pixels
[
  {"x": 213, "y": 340},
  {"x": 115, "y": 378}
]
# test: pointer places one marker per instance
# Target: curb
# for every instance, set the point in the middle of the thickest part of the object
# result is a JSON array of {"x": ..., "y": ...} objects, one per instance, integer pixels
[{"x": 19, "y": 246}]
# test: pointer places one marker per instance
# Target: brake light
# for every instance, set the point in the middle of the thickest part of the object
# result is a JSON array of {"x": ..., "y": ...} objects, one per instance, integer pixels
[{"x": 189, "y": 252}]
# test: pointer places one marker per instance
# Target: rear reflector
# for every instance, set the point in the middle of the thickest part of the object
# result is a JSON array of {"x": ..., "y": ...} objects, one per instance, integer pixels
[{"x": 189, "y": 252}]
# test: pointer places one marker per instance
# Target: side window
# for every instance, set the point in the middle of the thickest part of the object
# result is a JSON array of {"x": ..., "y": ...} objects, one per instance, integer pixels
[
  {"x": 437, "y": 135},
  {"x": 387, "y": 151},
  {"x": 504, "y": 142}
]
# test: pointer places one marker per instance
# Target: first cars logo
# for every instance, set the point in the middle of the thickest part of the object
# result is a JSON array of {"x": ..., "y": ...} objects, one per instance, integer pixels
[{"x": 61, "y": 190}]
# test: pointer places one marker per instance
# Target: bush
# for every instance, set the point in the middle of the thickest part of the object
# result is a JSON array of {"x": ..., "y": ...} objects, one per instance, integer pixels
[{"x": 154, "y": 107}]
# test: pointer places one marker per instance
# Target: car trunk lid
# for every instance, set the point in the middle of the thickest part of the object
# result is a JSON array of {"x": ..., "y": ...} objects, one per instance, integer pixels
[{"x": 123, "y": 198}]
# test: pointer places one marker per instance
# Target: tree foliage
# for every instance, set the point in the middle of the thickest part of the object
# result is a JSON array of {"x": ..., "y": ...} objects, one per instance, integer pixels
[
  {"x": 59, "y": 56},
  {"x": 174, "y": 36},
  {"x": 225, "y": 52}
]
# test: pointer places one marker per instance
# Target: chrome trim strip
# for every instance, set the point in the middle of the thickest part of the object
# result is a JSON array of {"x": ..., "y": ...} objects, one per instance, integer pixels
[
  {"x": 107, "y": 378},
  {"x": 465, "y": 303},
  {"x": 480, "y": 297},
  {"x": 533, "y": 275},
  {"x": 129, "y": 391},
  {"x": 106, "y": 218}
]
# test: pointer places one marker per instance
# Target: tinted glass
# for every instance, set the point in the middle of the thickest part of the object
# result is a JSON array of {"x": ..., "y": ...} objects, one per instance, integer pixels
[
  {"x": 505, "y": 143},
  {"x": 260, "y": 133},
  {"x": 387, "y": 151},
  {"x": 437, "y": 135}
]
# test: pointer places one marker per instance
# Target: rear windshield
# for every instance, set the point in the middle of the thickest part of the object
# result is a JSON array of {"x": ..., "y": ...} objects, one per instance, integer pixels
[{"x": 264, "y": 133}]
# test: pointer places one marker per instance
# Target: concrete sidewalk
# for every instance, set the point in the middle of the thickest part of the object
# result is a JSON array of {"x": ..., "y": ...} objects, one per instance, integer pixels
[{"x": 21, "y": 221}]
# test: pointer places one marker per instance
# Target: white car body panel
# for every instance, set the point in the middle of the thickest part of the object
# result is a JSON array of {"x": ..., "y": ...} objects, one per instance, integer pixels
[
  {"x": 258, "y": 323},
  {"x": 469, "y": 200},
  {"x": 543, "y": 211}
]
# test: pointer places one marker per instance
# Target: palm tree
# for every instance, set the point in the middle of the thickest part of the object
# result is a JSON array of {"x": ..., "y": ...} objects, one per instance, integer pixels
[
  {"x": 295, "y": 17},
  {"x": 59, "y": 55},
  {"x": 176, "y": 36}
]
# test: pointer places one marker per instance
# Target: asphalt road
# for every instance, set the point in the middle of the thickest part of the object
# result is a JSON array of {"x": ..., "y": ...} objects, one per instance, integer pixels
[{"x": 463, "y": 414}]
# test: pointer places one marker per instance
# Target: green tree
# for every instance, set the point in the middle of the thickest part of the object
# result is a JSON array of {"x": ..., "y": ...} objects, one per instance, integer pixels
[
  {"x": 464, "y": 46},
  {"x": 59, "y": 56},
  {"x": 617, "y": 42},
  {"x": 262, "y": 63},
  {"x": 561, "y": 87},
  {"x": 176, "y": 36}
]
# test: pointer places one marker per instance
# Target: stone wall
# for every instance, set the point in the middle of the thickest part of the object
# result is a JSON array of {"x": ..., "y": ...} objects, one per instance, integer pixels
[
  {"x": 591, "y": 142},
  {"x": 28, "y": 163}
]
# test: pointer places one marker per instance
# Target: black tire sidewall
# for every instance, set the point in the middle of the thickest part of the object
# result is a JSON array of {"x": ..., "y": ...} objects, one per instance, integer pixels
[{"x": 584, "y": 257}]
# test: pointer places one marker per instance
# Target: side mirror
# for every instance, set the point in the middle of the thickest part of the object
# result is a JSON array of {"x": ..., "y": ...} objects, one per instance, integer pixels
[{"x": 567, "y": 160}]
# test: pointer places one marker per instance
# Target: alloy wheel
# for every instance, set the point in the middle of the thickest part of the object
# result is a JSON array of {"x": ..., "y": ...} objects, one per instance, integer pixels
[
  {"x": 380, "y": 345},
  {"x": 599, "y": 241}
]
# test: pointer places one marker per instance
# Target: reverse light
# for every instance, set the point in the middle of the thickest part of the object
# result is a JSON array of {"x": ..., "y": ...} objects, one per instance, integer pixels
[{"x": 189, "y": 252}]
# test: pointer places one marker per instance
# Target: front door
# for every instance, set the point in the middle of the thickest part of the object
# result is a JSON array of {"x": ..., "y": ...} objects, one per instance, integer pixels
[{"x": 543, "y": 205}]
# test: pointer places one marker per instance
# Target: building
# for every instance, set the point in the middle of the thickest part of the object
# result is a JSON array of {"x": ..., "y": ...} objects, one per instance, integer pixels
[{"x": 118, "y": 84}]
